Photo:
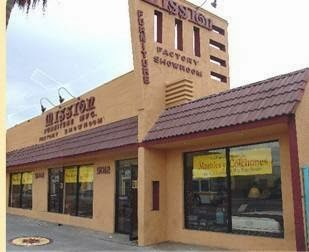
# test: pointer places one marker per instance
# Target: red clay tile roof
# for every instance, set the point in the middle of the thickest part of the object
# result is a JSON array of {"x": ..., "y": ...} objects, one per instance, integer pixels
[
  {"x": 266, "y": 99},
  {"x": 113, "y": 135}
]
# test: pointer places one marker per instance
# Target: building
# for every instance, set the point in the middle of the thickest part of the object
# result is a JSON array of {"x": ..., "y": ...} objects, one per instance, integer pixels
[{"x": 168, "y": 152}]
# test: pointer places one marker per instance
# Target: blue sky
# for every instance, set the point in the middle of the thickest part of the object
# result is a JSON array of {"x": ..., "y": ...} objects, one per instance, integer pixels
[{"x": 81, "y": 46}]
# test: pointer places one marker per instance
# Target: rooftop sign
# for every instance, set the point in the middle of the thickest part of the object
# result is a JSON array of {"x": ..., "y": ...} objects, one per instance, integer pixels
[{"x": 182, "y": 12}]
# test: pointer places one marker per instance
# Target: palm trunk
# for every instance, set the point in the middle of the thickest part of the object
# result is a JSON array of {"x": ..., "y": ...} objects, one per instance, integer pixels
[{"x": 9, "y": 7}]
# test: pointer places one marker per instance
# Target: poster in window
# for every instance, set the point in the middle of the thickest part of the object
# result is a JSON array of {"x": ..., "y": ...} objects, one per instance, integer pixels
[
  {"x": 27, "y": 178},
  {"x": 86, "y": 174},
  {"x": 70, "y": 175},
  {"x": 243, "y": 163},
  {"x": 16, "y": 179},
  {"x": 251, "y": 162},
  {"x": 209, "y": 166}
]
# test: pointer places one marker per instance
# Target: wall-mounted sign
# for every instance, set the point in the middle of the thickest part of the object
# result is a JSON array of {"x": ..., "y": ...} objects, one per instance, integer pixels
[
  {"x": 243, "y": 163},
  {"x": 177, "y": 61},
  {"x": 182, "y": 12},
  {"x": 72, "y": 118},
  {"x": 142, "y": 39},
  {"x": 104, "y": 170},
  {"x": 39, "y": 175}
]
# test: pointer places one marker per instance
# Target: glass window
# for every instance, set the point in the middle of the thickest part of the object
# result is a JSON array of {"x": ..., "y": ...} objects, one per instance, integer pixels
[
  {"x": 70, "y": 190},
  {"x": 235, "y": 190},
  {"x": 15, "y": 190},
  {"x": 206, "y": 191},
  {"x": 21, "y": 190},
  {"x": 85, "y": 191},
  {"x": 26, "y": 198},
  {"x": 55, "y": 189},
  {"x": 256, "y": 190}
]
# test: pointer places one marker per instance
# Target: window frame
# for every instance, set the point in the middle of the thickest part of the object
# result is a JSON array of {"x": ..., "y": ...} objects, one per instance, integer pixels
[
  {"x": 76, "y": 193},
  {"x": 158, "y": 32},
  {"x": 20, "y": 205},
  {"x": 229, "y": 189},
  {"x": 48, "y": 195}
]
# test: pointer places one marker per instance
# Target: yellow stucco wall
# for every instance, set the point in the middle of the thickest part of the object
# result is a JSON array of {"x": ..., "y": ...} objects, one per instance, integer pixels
[
  {"x": 153, "y": 94},
  {"x": 127, "y": 95},
  {"x": 103, "y": 192},
  {"x": 151, "y": 224},
  {"x": 173, "y": 173},
  {"x": 302, "y": 127},
  {"x": 115, "y": 100}
]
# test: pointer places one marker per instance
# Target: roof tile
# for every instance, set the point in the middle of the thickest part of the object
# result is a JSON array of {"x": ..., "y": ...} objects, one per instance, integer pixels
[
  {"x": 266, "y": 99},
  {"x": 113, "y": 135}
]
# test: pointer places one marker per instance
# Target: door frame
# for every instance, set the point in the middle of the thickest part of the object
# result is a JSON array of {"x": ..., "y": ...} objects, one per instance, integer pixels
[{"x": 117, "y": 166}]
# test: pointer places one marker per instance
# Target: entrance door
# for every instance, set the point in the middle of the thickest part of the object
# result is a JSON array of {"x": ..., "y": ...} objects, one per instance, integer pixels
[
  {"x": 126, "y": 197},
  {"x": 55, "y": 190}
]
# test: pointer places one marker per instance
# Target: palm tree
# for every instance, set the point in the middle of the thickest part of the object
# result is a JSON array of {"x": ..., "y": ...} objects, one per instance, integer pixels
[{"x": 24, "y": 4}]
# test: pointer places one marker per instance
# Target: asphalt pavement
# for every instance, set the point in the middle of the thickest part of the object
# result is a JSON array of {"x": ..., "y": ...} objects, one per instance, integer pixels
[{"x": 69, "y": 238}]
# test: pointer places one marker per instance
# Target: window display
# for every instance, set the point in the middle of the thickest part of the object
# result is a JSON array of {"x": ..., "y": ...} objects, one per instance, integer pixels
[
  {"x": 206, "y": 191},
  {"x": 21, "y": 190},
  {"x": 71, "y": 191},
  {"x": 235, "y": 190}
]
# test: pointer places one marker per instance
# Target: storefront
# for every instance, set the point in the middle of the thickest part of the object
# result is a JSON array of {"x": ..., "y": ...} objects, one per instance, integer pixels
[{"x": 168, "y": 152}]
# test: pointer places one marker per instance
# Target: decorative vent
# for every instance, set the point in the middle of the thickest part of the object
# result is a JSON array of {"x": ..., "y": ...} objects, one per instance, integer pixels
[{"x": 178, "y": 92}]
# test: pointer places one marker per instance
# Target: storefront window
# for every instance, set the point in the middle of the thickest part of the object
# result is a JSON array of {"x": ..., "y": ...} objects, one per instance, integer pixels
[
  {"x": 206, "y": 191},
  {"x": 85, "y": 191},
  {"x": 256, "y": 190},
  {"x": 15, "y": 190},
  {"x": 26, "y": 198},
  {"x": 235, "y": 190},
  {"x": 71, "y": 191},
  {"x": 21, "y": 190}
]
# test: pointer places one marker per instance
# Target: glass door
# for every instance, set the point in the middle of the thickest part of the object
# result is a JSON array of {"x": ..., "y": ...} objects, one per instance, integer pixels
[
  {"x": 126, "y": 198},
  {"x": 55, "y": 187}
]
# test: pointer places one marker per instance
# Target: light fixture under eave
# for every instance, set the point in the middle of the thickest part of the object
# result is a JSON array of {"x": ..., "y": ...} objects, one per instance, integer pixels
[
  {"x": 43, "y": 109},
  {"x": 61, "y": 99},
  {"x": 214, "y": 4}
]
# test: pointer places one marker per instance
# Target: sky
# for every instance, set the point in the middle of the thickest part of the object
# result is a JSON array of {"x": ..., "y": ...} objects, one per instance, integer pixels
[{"x": 75, "y": 45}]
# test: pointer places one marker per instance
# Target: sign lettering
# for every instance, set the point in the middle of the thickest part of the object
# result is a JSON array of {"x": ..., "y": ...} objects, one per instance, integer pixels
[
  {"x": 176, "y": 61},
  {"x": 104, "y": 170},
  {"x": 39, "y": 175},
  {"x": 142, "y": 39},
  {"x": 75, "y": 117},
  {"x": 243, "y": 163},
  {"x": 182, "y": 12}
]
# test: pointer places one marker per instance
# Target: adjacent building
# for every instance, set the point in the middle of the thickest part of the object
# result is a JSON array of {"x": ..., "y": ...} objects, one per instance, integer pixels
[{"x": 168, "y": 152}]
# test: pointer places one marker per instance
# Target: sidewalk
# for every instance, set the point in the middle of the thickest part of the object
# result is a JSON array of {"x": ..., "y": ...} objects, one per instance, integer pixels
[{"x": 68, "y": 238}]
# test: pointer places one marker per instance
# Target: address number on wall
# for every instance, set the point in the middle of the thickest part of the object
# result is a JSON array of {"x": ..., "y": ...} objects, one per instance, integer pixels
[{"x": 104, "y": 170}]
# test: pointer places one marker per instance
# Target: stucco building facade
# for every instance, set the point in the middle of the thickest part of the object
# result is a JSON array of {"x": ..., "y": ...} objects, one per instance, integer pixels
[{"x": 168, "y": 152}]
